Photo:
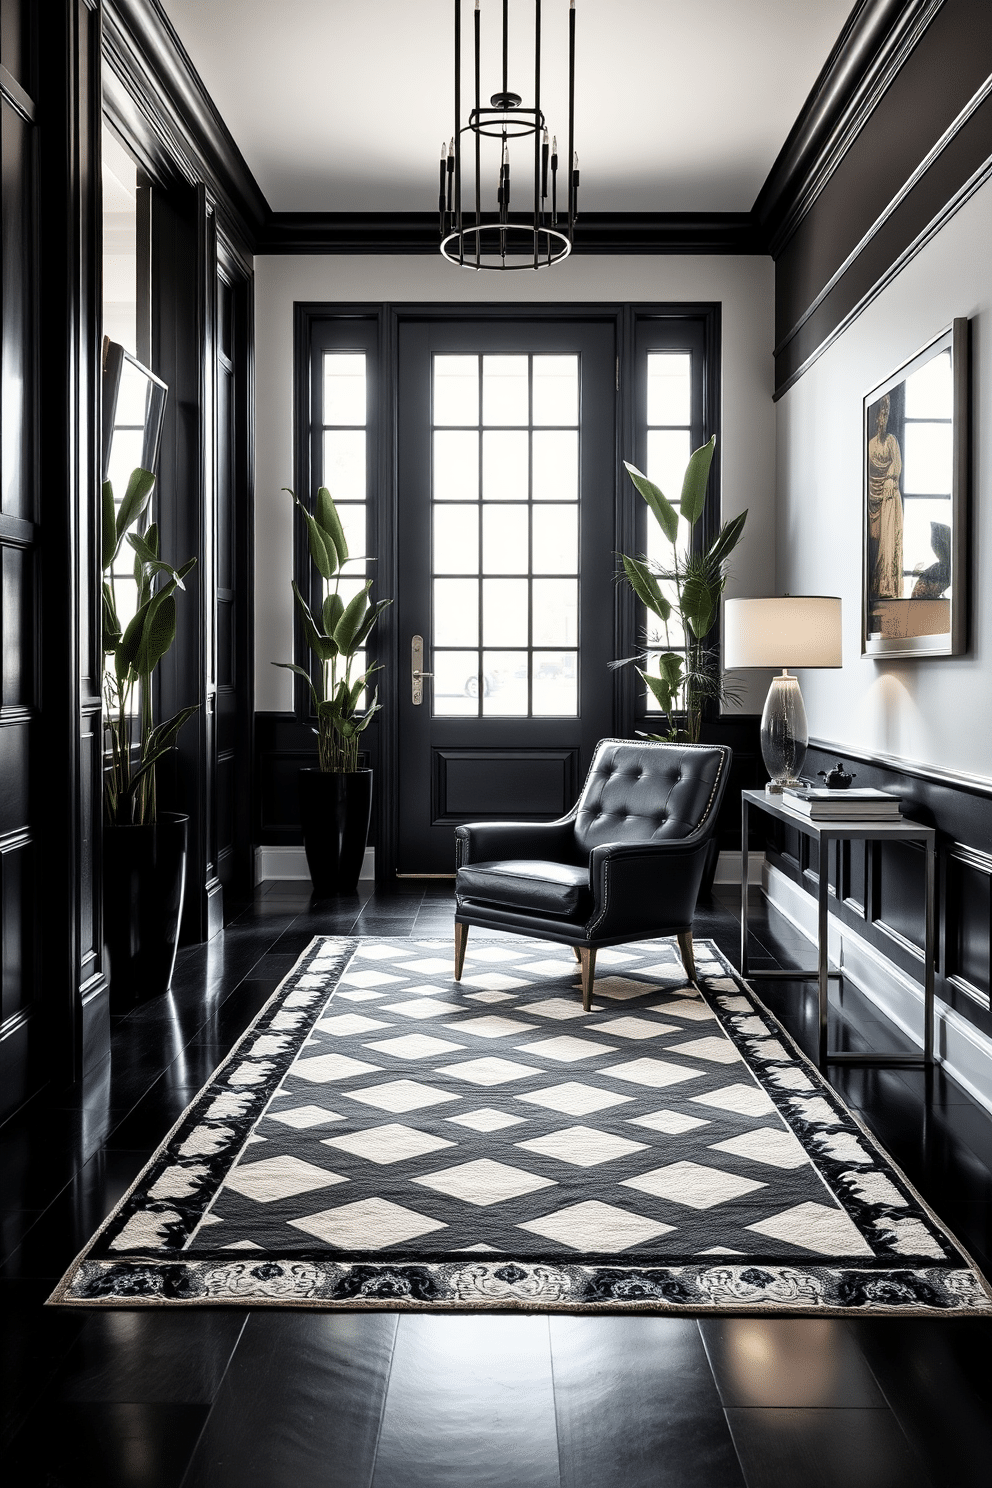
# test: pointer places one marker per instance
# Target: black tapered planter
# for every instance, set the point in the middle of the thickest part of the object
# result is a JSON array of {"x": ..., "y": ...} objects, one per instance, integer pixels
[
  {"x": 144, "y": 879},
  {"x": 335, "y": 810}
]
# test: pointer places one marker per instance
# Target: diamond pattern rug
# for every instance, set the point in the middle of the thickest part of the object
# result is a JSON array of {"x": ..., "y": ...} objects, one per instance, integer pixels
[{"x": 384, "y": 1137}]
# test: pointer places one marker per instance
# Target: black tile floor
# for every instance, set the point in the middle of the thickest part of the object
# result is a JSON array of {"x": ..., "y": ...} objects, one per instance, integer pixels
[{"x": 150, "y": 1399}]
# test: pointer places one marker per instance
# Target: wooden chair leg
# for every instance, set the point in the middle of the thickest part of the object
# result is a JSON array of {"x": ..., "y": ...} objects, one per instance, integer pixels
[
  {"x": 587, "y": 963},
  {"x": 461, "y": 941},
  {"x": 688, "y": 959},
  {"x": 576, "y": 953}
]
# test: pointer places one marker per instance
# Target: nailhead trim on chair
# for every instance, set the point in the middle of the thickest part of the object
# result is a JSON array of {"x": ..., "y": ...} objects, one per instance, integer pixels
[{"x": 591, "y": 927}]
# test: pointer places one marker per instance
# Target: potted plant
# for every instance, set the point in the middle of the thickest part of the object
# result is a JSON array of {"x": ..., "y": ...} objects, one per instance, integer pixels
[
  {"x": 144, "y": 850},
  {"x": 336, "y": 798},
  {"x": 688, "y": 588}
]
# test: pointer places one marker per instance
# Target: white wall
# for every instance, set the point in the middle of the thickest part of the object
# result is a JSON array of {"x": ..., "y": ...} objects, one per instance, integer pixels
[
  {"x": 745, "y": 286},
  {"x": 935, "y": 712}
]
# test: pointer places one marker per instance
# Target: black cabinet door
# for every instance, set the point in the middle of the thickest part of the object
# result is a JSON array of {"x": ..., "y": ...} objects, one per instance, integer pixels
[{"x": 507, "y": 495}]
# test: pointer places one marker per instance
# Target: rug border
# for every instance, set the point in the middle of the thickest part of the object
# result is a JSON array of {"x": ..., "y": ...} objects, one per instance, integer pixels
[
  {"x": 821, "y": 1076},
  {"x": 56, "y": 1298},
  {"x": 346, "y": 946}
]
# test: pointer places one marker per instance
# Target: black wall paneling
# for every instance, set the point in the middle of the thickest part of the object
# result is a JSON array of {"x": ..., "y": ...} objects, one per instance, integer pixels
[
  {"x": 21, "y": 1007},
  {"x": 913, "y": 145},
  {"x": 205, "y": 213},
  {"x": 54, "y": 1016},
  {"x": 234, "y": 637},
  {"x": 878, "y": 890}
]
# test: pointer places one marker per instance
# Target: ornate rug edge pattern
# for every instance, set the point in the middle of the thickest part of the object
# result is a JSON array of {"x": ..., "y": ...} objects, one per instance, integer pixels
[{"x": 501, "y": 1284}]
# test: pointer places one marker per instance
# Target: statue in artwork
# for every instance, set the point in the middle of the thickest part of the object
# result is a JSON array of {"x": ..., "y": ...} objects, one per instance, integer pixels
[{"x": 884, "y": 509}]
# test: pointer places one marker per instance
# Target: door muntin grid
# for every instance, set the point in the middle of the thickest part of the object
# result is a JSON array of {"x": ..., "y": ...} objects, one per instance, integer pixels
[{"x": 505, "y": 534}]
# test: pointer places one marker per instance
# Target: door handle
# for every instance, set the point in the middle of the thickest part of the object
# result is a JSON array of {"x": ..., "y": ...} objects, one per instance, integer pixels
[{"x": 417, "y": 673}]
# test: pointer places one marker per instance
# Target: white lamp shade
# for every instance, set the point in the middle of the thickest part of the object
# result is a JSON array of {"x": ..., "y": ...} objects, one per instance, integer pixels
[{"x": 801, "y": 630}]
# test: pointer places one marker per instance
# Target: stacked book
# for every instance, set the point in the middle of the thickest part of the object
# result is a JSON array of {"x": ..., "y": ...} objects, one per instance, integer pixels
[{"x": 824, "y": 805}]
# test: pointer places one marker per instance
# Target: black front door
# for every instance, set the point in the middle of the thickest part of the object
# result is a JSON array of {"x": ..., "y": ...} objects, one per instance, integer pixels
[{"x": 507, "y": 490}]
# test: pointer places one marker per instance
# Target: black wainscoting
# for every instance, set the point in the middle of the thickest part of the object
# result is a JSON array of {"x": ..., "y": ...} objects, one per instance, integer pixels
[
  {"x": 283, "y": 745},
  {"x": 879, "y": 890}
]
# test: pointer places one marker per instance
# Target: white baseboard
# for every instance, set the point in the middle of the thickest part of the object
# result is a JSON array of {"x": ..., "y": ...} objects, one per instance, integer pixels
[
  {"x": 962, "y": 1049},
  {"x": 728, "y": 868},
  {"x": 289, "y": 864}
]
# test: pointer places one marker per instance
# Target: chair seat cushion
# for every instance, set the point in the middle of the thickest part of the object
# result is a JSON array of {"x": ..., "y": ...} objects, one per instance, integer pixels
[{"x": 557, "y": 889}]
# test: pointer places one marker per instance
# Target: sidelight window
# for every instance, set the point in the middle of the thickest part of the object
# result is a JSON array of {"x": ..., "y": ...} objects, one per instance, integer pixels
[
  {"x": 344, "y": 451},
  {"x": 505, "y": 535},
  {"x": 669, "y": 445}
]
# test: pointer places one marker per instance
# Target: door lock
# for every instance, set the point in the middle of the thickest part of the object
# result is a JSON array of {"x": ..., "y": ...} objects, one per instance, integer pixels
[{"x": 417, "y": 673}]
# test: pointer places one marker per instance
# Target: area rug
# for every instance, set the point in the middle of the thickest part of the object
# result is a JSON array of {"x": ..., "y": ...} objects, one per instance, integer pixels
[{"x": 383, "y": 1137}]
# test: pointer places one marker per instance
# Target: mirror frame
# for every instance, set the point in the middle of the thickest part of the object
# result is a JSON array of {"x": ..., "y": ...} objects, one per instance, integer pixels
[
  {"x": 114, "y": 358},
  {"x": 954, "y": 641}
]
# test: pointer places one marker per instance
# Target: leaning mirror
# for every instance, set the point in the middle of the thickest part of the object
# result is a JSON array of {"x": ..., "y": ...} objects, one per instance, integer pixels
[
  {"x": 915, "y": 504},
  {"x": 133, "y": 409}
]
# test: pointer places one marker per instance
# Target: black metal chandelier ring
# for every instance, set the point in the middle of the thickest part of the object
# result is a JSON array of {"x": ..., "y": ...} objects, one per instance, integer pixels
[{"x": 554, "y": 247}]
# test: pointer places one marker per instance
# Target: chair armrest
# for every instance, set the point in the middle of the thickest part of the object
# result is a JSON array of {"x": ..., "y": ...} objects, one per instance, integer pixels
[
  {"x": 482, "y": 842},
  {"x": 639, "y": 886}
]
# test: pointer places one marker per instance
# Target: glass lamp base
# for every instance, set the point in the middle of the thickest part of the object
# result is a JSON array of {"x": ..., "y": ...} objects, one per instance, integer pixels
[{"x": 784, "y": 733}]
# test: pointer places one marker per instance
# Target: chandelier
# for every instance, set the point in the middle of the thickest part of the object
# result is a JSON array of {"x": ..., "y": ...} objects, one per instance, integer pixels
[{"x": 538, "y": 229}]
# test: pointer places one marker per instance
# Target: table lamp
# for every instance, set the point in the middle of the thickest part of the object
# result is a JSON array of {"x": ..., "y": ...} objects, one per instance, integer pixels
[{"x": 802, "y": 630}]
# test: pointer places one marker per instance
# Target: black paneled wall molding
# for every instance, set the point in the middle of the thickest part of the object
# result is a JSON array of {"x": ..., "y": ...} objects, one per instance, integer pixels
[
  {"x": 54, "y": 1015},
  {"x": 879, "y": 889},
  {"x": 206, "y": 211},
  {"x": 910, "y": 153}
]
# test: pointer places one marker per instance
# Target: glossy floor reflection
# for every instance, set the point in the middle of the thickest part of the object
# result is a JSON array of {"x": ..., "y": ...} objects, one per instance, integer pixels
[{"x": 267, "y": 1400}]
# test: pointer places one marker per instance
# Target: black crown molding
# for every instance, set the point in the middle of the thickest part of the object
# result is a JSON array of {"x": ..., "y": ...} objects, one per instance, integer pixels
[
  {"x": 156, "y": 98},
  {"x": 158, "y": 101},
  {"x": 874, "y": 44},
  {"x": 596, "y": 232}
]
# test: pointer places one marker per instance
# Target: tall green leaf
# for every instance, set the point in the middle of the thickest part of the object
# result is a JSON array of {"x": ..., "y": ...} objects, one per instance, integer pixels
[
  {"x": 694, "y": 482},
  {"x": 665, "y": 513},
  {"x": 699, "y": 604},
  {"x": 369, "y": 621},
  {"x": 109, "y": 526},
  {"x": 330, "y": 522},
  {"x": 332, "y": 610},
  {"x": 727, "y": 539},
  {"x": 323, "y": 647},
  {"x": 348, "y": 627},
  {"x": 136, "y": 498},
  {"x": 645, "y": 586},
  {"x": 322, "y": 549},
  {"x": 158, "y": 632}
]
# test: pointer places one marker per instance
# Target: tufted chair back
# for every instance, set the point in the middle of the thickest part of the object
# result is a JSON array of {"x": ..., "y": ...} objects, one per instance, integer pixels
[{"x": 640, "y": 791}]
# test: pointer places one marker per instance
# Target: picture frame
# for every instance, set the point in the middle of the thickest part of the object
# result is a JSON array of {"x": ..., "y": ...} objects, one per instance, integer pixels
[{"x": 915, "y": 517}]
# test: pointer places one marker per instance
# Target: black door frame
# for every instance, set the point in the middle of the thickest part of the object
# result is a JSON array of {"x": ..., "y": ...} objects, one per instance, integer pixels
[{"x": 625, "y": 319}]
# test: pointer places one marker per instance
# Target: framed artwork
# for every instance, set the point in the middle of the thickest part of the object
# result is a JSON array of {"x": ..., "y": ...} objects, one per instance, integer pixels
[{"x": 916, "y": 541}]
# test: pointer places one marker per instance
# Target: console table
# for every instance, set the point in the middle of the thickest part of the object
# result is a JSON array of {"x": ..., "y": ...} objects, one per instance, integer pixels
[{"x": 824, "y": 833}]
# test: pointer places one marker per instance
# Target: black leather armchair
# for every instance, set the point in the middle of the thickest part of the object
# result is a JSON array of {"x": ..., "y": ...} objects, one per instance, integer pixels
[{"x": 625, "y": 863}]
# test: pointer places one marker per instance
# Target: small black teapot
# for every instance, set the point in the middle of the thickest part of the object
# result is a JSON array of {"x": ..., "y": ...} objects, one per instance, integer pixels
[{"x": 837, "y": 778}]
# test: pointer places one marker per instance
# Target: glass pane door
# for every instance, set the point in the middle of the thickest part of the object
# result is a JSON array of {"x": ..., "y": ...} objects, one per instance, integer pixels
[
  {"x": 507, "y": 486},
  {"x": 505, "y": 535}
]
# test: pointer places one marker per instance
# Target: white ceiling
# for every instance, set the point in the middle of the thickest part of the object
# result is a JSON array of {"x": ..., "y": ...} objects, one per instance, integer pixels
[{"x": 341, "y": 105}]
